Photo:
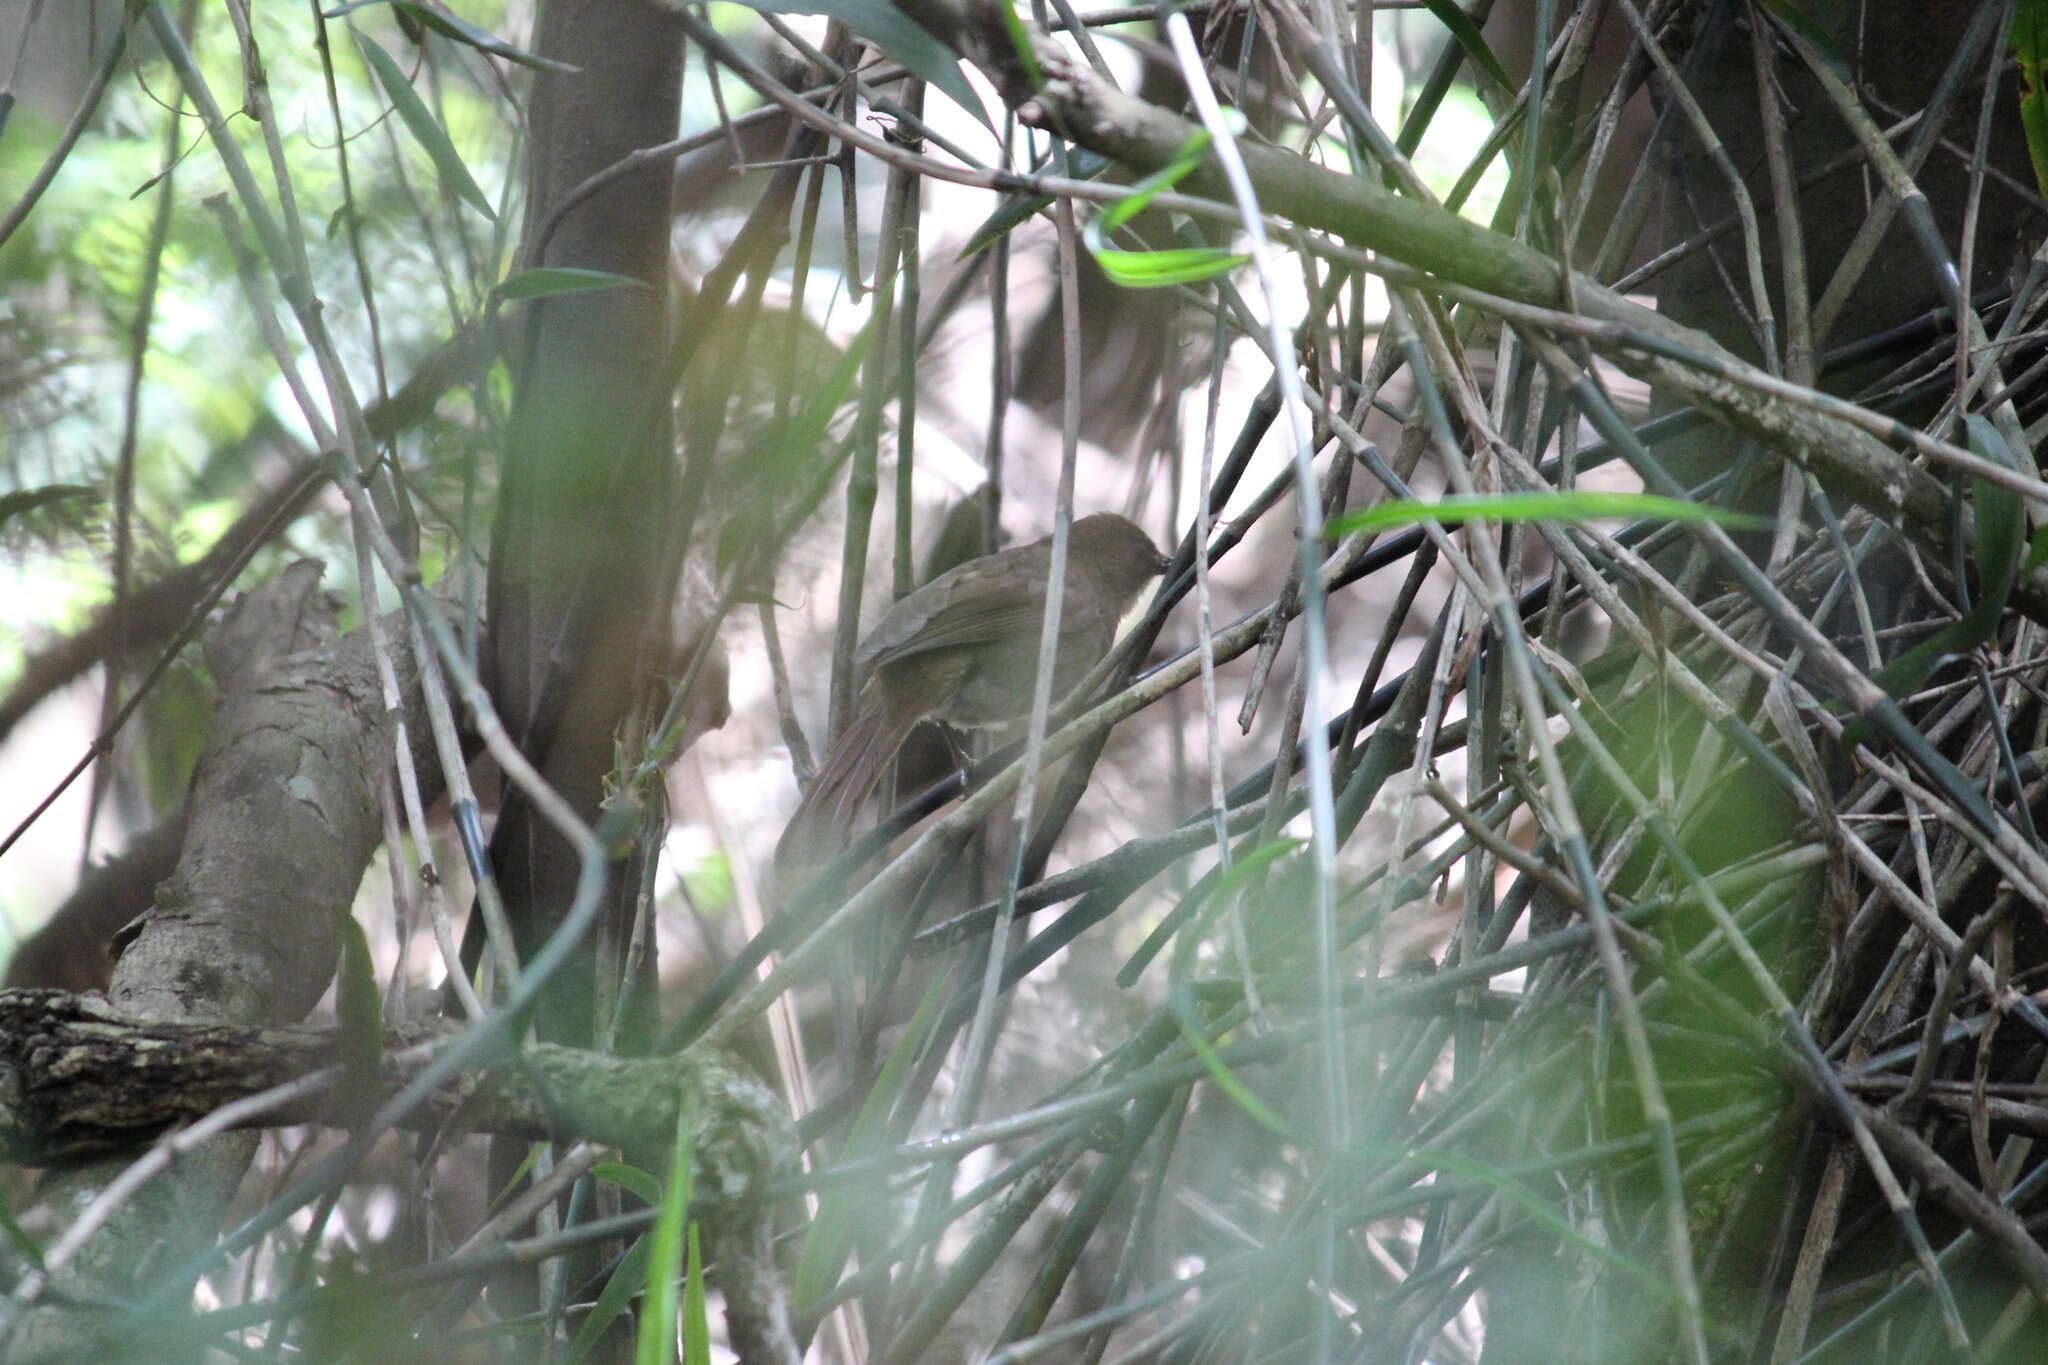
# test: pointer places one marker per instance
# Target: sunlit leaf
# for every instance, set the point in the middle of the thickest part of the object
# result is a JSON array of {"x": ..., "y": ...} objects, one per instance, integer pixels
[
  {"x": 1575, "y": 506},
  {"x": 657, "y": 1341},
  {"x": 1170, "y": 265},
  {"x": 696, "y": 1321},
  {"x": 1166, "y": 177},
  {"x": 1174, "y": 265}
]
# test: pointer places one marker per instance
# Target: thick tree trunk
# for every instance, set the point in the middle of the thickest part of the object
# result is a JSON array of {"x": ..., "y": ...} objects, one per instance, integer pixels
[{"x": 577, "y": 607}]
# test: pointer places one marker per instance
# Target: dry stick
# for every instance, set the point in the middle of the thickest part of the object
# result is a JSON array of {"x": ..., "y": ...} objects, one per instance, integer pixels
[
  {"x": 1205, "y": 644},
  {"x": 785, "y": 705},
  {"x": 1147, "y": 137},
  {"x": 343, "y": 404},
  {"x": 910, "y": 272},
  {"x": 1895, "y": 172}
]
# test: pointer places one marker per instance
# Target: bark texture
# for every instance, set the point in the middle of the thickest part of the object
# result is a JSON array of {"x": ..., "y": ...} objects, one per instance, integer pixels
[{"x": 283, "y": 821}]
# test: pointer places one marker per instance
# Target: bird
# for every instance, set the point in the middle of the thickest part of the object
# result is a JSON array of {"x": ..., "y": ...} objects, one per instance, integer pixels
[{"x": 963, "y": 649}]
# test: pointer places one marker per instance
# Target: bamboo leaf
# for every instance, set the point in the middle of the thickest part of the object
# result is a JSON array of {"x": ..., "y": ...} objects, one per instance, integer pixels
[
  {"x": 1173, "y": 265},
  {"x": 658, "y": 1309},
  {"x": 625, "y": 1280},
  {"x": 544, "y": 281},
  {"x": 2030, "y": 47},
  {"x": 889, "y": 28},
  {"x": 459, "y": 29},
  {"x": 1576, "y": 506},
  {"x": 361, "y": 1036},
  {"x": 1016, "y": 209},
  {"x": 1183, "y": 1002},
  {"x": 1170, "y": 265},
  {"x": 1467, "y": 36},
  {"x": 2000, "y": 536},
  {"x": 696, "y": 1321},
  {"x": 630, "y": 1178},
  {"x": 424, "y": 127}
]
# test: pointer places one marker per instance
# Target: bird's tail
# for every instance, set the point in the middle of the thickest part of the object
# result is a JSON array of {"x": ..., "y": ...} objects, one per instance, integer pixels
[{"x": 823, "y": 818}]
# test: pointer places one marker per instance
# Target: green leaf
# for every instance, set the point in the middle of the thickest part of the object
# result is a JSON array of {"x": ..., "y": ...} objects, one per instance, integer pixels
[
  {"x": 425, "y": 128},
  {"x": 629, "y": 1178},
  {"x": 2001, "y": 527},
  {"x": 24, "y": 500},
  {"x": 657, "y": 1341},
  {"x": 895, "y": 33},
  {"x": 1805, "y": 31},
  {"x": 2030, "y": 47},
  {"x": 544, "y": 281},
  {"x": 1173, "y": 265},
  {"x": 1020, "y": 42},
  {"x": 24, "y": 1245},
  {"x": 696, "y": 1321},
  {"x": 1467, "y": 35},
  {"x": 361, "y": 1038},
  {"x": 1182, "y": 999},
  {"x": 2037, "y": 551},
  {"x": 460, "y": 30},
  {"x": 1166, "y": 177},
  {"x": 625, "y": 1281},
  {"x": 1578, "y": 505}
]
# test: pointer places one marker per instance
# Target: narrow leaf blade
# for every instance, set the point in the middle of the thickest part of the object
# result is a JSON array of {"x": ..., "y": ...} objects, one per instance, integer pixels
[{"x": 425, "y": 128}]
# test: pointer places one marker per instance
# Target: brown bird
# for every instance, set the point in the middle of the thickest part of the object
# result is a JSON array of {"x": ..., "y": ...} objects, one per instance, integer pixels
[{"x": 963, "y": 649}]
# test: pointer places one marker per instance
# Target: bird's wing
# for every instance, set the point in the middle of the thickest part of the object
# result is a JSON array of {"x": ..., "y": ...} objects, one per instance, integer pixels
[{"x": 983, "y": 600}]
